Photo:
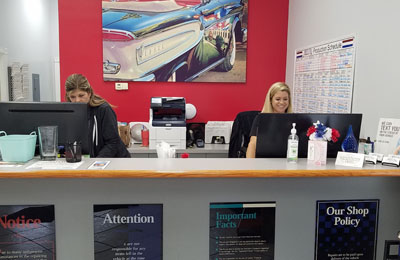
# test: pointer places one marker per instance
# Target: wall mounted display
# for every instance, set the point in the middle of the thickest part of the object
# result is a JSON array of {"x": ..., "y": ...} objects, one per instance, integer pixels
[
  {"x": 242, "y": 230},
  {"x": 323, "y": 77},
  {"x": 346, "y": 229},
  {"x": 174, "y": 40},
  {"x": 128, "y": 232},
  {"x": 27, "y": 232}
]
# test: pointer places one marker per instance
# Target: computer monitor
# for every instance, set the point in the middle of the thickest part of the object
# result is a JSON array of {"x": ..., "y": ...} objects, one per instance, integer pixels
[
  {"x": 25, "y": 117},
  {"x": 274, "y": 130}
]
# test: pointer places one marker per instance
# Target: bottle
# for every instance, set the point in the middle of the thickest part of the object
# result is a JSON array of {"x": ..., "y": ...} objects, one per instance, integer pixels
[
  {"x": 293, "y": 145},
  {"x": 368, "y": 146}
]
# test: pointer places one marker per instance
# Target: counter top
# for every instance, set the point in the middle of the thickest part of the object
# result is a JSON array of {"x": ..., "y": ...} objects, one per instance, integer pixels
[{"x": 198, "y": 168}]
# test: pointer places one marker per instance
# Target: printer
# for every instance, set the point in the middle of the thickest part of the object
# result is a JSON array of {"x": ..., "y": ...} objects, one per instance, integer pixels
[{"x": 167, "y": 122}]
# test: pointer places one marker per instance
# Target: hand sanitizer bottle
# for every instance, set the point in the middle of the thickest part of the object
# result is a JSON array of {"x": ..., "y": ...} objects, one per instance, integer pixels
[{"x": 293, "y": 145}]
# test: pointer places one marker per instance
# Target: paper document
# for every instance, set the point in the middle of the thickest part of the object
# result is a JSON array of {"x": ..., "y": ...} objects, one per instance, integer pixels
[{"x": 54, "y": 165}]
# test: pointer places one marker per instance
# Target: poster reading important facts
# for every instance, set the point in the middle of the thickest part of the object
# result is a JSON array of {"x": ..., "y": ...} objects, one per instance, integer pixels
[
  {"x": 242, "y": 231},
  {"x": 323, "y": 77},
  {"x": 27, "y": 232},
  {"x": 346, "y": 230},
  {"x": 388, "y": 136},
  {"x": 128, "y": 232}
]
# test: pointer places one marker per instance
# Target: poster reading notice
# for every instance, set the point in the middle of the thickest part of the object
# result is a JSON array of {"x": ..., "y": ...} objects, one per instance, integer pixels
[
  {"x": 346, "y": 229},
  {"x": 27, "y": 232},
  {"x": 242, "y": 231},
  {"x": 128, "y": 232}
]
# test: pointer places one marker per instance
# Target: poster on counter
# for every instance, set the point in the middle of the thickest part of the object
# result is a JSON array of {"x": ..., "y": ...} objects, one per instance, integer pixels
[
  {"x": 27, "y": 232},
  {"x": 242, "y": 230},
  {"x": 346, "y": 229},
  {"x": 128, "y": 231},
  {"x": 388, "y": 136}
]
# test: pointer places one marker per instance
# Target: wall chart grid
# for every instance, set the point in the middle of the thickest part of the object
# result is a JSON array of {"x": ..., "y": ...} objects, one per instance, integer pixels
[{"x": 323, "y": 77}]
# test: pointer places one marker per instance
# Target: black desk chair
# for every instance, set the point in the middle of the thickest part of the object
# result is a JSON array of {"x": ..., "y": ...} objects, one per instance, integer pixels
[{"x": 240, "y": 136}]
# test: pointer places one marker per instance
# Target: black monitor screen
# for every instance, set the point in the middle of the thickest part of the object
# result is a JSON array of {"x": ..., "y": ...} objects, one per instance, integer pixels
[
  {"x": 25, "y": 117},
  {"x": 274, "y": 130}
]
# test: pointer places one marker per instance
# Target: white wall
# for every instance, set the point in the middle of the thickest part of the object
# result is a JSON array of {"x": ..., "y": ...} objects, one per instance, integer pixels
[
  {"x": 29, "y": 32},
  {"x": 375, "y": 25}
]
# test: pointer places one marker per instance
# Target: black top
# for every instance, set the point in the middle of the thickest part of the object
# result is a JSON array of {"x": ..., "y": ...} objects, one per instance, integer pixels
[
  {"x": 254, "y": 126},
  {"x": 104, "y": 139}
]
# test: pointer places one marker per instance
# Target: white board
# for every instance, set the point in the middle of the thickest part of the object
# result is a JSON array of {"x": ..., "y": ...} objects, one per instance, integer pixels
[{"x": 323, "y": 77}]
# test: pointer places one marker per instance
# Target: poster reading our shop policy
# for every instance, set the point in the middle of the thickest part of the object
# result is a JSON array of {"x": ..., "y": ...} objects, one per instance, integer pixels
[
  {"x": 128, "y": 232},
  {"x": 242, "y": 231},
  {"x": 27, "y": 232},
  {"x": 346, "y": 229}
]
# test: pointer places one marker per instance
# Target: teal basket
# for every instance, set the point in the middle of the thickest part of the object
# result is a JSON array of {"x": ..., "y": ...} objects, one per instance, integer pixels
[{"x": 17, "y": 148}]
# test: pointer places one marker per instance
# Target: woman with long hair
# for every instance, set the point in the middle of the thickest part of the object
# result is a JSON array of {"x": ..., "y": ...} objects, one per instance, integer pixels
[{"x": 104, "y": 139}]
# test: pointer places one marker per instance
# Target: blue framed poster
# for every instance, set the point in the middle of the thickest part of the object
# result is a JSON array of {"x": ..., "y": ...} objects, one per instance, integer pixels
[
  {"x": 242, "y": 230},
  {"x": 128, "y": 232},
  {"x": 346, "y": 229},
  {"x": 27, "y": 232}
]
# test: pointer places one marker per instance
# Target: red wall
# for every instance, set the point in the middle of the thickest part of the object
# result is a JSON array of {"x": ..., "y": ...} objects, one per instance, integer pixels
[{"x": 81, "y": 52}]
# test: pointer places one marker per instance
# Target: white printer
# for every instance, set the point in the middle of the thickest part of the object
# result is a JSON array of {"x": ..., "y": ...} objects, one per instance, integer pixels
[
  {"x": 167, "y": 122},
  {"x": 218, "y": 132}
]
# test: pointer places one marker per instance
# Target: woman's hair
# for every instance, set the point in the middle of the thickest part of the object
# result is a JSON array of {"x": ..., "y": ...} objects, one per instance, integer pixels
[
  {"x": 78, "y": 81},
  {"x": 275, "y": 88}
]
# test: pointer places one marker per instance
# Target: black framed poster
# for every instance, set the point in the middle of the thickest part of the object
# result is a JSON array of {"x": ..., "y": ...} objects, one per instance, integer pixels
[
  {"x": 346, "y": 229},
  {"x": 128, "y": 232},
  {"x": 27, "y": 232},
  {"x": 242, "y": 230}
]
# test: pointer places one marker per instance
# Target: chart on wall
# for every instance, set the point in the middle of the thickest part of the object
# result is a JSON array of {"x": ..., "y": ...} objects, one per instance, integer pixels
[{"x": 323, "y": 77}]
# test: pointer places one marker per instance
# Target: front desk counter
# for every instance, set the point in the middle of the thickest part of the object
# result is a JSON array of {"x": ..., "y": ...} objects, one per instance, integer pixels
[{"x": 186, "y": 187}]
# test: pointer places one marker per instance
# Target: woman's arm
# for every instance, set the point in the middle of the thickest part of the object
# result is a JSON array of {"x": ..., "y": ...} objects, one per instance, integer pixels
[
  {"x": 397, "y": 150},
  {"x": 251, "y": 148},
  {"x": 109, "y": 134}
]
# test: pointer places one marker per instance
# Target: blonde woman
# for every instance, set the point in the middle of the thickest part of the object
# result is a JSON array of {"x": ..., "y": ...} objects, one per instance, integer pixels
[
  {"x": 277, "y": 101},
  {"x": 104, "y": 139}
]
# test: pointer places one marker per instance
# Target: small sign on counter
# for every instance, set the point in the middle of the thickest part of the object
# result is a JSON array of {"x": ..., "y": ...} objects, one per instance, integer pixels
[{"x": 350, "y": 159}]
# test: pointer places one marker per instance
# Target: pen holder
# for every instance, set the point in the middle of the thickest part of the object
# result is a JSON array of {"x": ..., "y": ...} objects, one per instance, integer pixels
[{"x": 73, "y": 152}]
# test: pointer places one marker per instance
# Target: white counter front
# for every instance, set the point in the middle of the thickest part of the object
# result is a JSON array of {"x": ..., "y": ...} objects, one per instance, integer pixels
[{"x": 186, "y": 187}]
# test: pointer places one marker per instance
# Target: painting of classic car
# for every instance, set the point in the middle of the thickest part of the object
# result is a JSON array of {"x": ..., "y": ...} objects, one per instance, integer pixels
[{"x": 172, "y": 40}]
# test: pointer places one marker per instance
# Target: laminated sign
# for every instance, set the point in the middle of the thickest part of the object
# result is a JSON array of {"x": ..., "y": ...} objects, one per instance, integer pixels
[{"x": 388, "y": 136}]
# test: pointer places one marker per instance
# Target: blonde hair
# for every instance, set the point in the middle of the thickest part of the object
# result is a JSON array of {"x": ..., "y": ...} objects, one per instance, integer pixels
[
  {"x": 275, "y": 88},
  {"x": 78, "y": 81}
]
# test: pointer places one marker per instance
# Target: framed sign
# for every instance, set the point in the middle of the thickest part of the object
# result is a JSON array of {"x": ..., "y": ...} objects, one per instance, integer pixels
[
  {"x": 346, "y": 229},
  {"x": 242, "y": 230}
]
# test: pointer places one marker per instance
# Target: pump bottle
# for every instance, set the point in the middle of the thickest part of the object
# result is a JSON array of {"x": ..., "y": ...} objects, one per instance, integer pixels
[{"x": 293, "y": 145}]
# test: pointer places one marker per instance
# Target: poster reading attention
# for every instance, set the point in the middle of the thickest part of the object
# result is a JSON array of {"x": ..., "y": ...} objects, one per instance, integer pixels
[
  {"x": 242, "y": 231},
  {"x": 128, "y": 232},
  {"x": 27, "y": 232},
  {"x": 346, "y": 230}
]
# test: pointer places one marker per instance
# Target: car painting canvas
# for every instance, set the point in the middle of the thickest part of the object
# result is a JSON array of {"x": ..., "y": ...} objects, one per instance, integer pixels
[{"x": 175, "y": 40}]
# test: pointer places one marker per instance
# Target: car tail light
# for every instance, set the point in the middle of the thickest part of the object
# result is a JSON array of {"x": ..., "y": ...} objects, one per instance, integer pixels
[{"x": 116, "y": 35}]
